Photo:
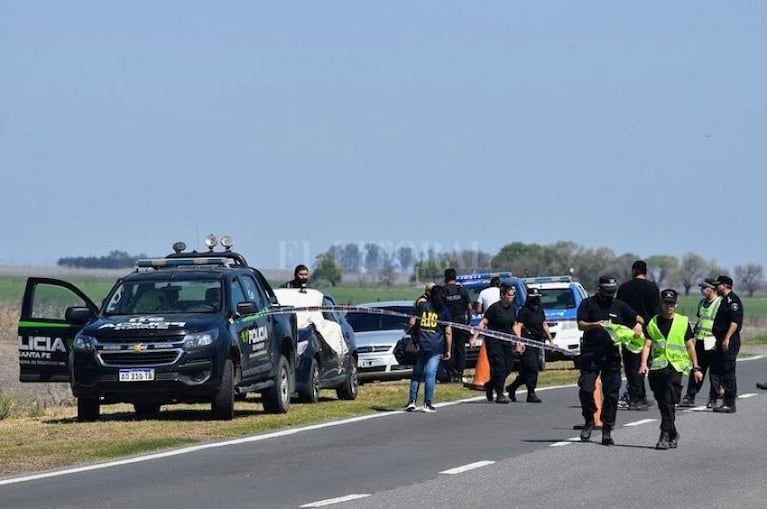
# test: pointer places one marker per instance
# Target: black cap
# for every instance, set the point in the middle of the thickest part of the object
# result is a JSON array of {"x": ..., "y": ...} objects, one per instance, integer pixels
[
  {"x": 709, "y": 282},
  {"x": 669, "y": 295},
  {"x": 608, "y": 283},
  {"x": 533, "y": 292},
  {"x": 724, "y": 280}
]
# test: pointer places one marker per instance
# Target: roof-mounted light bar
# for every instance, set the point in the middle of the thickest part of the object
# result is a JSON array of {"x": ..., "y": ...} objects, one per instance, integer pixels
[
  {"x": 485, "y": 275},
  {"x": 160, "y": 263},
  {"x": 548, "y": 279}
]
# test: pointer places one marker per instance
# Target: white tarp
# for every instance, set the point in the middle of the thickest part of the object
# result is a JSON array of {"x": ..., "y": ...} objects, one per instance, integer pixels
[{"x": 329, "y": 331}]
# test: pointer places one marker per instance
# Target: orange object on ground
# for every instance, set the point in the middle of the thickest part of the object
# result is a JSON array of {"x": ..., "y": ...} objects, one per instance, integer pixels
[{"x": 481, "y": 371}]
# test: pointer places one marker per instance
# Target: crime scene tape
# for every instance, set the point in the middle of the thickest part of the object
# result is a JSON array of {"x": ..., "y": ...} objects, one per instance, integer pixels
[{"x": 503, "y": 336}]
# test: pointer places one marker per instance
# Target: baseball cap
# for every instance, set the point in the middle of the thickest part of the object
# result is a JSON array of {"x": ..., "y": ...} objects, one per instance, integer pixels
[
  {"x": 608, "y": 283},
  {"x": 428, "y": 287},
  {"x": 724, "y": 280},
  {"x": 709, "y": 282},
  {"x": 668, "y": 295},
  {"x": 533, "y": 292}
]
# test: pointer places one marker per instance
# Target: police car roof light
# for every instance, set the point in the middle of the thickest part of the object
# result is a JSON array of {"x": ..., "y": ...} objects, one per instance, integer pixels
[
  {"x": 548, "y": 279},
  {"x": 484, "y": 275},
  {"x": 162, "y": 263}
]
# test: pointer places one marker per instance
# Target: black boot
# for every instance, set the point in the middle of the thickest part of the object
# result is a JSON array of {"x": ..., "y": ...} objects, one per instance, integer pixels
[
  {"x": 663, "y": 441},
  {"x": 532, "y": 398},
  {"x": 512, "y": 389},
  {"x": 674, "y": 440},
  {"x": 606, "y": 438},
  {"x": 586, "y": 431},
  {"x": 725, "y": 408}
]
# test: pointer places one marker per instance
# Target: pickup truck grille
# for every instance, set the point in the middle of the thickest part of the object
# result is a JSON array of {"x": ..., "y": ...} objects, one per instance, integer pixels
[
  {"x": 373, "y": 348},
  {"x": 146, "y": 358}
]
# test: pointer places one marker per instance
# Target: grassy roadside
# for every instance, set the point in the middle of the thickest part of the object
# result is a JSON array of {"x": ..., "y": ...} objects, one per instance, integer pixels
[{"x": 54, "y": 439}]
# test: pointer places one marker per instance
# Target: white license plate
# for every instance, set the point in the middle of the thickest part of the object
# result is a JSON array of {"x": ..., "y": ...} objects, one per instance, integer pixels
[
  {"x": 369, "y": 363},
  {"x": 136, "y": 375}
]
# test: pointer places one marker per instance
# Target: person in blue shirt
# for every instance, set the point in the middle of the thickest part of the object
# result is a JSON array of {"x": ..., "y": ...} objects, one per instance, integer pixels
[{"x": 434, "y": 340}]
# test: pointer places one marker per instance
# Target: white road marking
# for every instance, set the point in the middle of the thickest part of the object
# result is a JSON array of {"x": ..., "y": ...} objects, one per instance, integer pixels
[
  {"x": 466, "y": 468},
  {"x": 566, "y": 442},
  {"x": 637, "y": 423},
  {"x": 751, "y": 358},
  {"x": 337, "y": 500},
  {"x": 747, "y": 395}
]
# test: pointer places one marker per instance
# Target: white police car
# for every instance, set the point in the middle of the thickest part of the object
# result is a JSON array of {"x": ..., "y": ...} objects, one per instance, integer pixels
[{"x": 560, "y": 297}]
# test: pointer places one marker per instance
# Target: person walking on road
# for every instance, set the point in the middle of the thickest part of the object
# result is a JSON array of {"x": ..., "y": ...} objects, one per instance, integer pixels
[
  {"x": 500, "y": 353},
  {"x": 642, "y": 295},
  {"x": 600, "y": 356},
  {"x": 433, "y": 339},
  {"x": 704, "y": 344},
  {"x": 726, "y": 329},
  {"x": 531, "y": 323},
  {"x": 673, "y": 354}
]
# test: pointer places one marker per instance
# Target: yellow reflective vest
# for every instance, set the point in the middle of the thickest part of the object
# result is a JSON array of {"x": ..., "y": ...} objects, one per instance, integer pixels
[
  {"x": 671, "y": 349},
  {"x": 622, "y": 335},
  {"x": 706, "y": 317}
]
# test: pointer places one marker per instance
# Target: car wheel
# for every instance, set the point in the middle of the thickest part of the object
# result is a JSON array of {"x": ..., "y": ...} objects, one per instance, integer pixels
[
  {"x": 276, "y": 399},
  {"x": 146, "y": 409},
  {"x": 88, "y": 409},
  {"x": 351, "y": 386},
  {"x": 311, "y": 393},
  {"x": 222, "y": 406}
]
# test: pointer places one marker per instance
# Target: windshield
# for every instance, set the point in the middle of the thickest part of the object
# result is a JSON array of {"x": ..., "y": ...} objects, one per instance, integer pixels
[
  {"x": 557, "y": 298},
  {"x": 166, "y": 297},
  {"x": 366, "y": 322}
]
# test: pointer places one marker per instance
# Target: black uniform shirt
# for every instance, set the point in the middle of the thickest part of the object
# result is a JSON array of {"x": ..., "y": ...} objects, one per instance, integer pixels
[
  {"x": 457, "y": 300},
  {"x": 730, "y": 310},
  {"x": 595, "y": 309},
  {"x": 500, "y": 318},
  {"x": 642, "y": 296},
  {"x": 532, "y": 319}
]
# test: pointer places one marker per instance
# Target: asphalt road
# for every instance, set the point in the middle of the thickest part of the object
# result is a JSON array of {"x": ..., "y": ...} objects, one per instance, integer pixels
[{"x": 472, "y": 454}]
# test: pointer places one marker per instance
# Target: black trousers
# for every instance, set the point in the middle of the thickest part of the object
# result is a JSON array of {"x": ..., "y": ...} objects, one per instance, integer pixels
[
  {"x": 458, "y": 353},
  {"x": 500, "y": 355},
  {"x": 530, "y": 365},
  {"x": 705, "y": 359},
  {"x": 666, "y": 385},
  {"x": 723, "y": 368},
  {"x": 634, "y": 380},
  {"x": 604, "y": 362}
]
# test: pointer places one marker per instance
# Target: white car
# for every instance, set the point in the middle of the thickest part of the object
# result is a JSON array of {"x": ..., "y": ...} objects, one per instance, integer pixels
[
  {"x": 376, "y": 335},
  {"x": 560, "y": 297}
]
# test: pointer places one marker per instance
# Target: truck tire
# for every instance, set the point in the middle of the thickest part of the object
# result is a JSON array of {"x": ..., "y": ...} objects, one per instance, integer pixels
[
  {"x": 146, "y": 409},
  {"x": 222, "y": 405},
  {"x": 311, "y": 393},
  {"x": 276, "y": 399},
  {"x": 351, "y": 386},
  {"x": 88, "y": 409}
]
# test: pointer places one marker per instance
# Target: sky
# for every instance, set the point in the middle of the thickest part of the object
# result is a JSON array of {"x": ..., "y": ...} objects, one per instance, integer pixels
[{"x": 292, "y": 126}]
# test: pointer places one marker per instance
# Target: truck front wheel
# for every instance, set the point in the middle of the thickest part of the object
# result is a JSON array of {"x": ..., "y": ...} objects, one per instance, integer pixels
[
  {"x": 222, "y": 405},
  {"x": 88, "y": 409}
]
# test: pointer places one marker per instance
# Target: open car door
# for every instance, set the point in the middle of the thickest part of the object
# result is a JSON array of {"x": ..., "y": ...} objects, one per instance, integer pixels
[{"x": 45, "y": 335}]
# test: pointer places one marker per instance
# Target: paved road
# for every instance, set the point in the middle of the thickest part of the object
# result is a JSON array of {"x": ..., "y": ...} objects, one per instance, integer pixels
[{"x": 522, "y": 456}]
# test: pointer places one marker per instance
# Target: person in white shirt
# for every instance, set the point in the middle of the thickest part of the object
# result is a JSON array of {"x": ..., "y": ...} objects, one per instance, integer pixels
[{"x": 489, "y": 295}]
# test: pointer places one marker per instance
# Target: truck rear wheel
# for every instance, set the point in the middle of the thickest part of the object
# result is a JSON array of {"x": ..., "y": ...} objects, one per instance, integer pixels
[
  {"x": 222, "y": 405},
  {"x": 88, "y": 409},
  {"x": 276, "y": 399},
  {"x": 146, "y": 409}
]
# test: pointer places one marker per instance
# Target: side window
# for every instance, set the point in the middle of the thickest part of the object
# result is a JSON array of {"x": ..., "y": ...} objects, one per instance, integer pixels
[
  {"x": 253, "y": 292},
  {"x": 329, "y": 315},
  {"x": 51, "y": 301},
  {"x": 238, "y": 295}
]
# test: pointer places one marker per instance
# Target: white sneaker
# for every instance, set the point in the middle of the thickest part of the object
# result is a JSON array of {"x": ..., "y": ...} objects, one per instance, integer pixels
[
  {"x": 410, "y": 406},
  {"x": 427, "y": 408}
]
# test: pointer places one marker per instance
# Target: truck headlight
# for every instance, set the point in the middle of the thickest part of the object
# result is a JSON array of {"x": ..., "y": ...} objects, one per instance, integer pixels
[
  {"x": 569, "y": 324},
  {"x": 85, "y": 343},
  {"x": 200, "y": 339}
]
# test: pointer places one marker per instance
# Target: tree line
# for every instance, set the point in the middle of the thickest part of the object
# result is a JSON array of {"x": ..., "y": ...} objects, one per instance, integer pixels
[
  {"x": 523, "y": 259},
  {"x": 114, "y": 260}
]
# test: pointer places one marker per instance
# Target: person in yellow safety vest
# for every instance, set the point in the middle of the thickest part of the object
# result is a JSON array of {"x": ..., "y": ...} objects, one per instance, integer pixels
[
  {"x": 673, "y": 346},
  {"x": 704, "y": 344}
]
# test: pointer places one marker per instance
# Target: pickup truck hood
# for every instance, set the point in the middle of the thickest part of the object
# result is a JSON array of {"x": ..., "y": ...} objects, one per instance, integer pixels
[{"x": 150, "y": 325}]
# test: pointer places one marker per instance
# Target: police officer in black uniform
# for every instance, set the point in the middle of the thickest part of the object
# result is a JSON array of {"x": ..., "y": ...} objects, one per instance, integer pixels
[
  {"x": 500, "y": 317},
  {"x": 600, "y": 356},
  {"x": 531, "y": 323},
  {"x": 726, "y": 329},
  {"x": 459, "y": 304},
  {"x": 300, "y": 277}
]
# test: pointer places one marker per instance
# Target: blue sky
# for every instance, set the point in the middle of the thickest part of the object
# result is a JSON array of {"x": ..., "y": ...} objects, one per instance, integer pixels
[{"x": 294, "y": 125}]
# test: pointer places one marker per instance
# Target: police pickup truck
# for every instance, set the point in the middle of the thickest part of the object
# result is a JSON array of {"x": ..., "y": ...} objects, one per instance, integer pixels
[{"x": 187, "y": 328}]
